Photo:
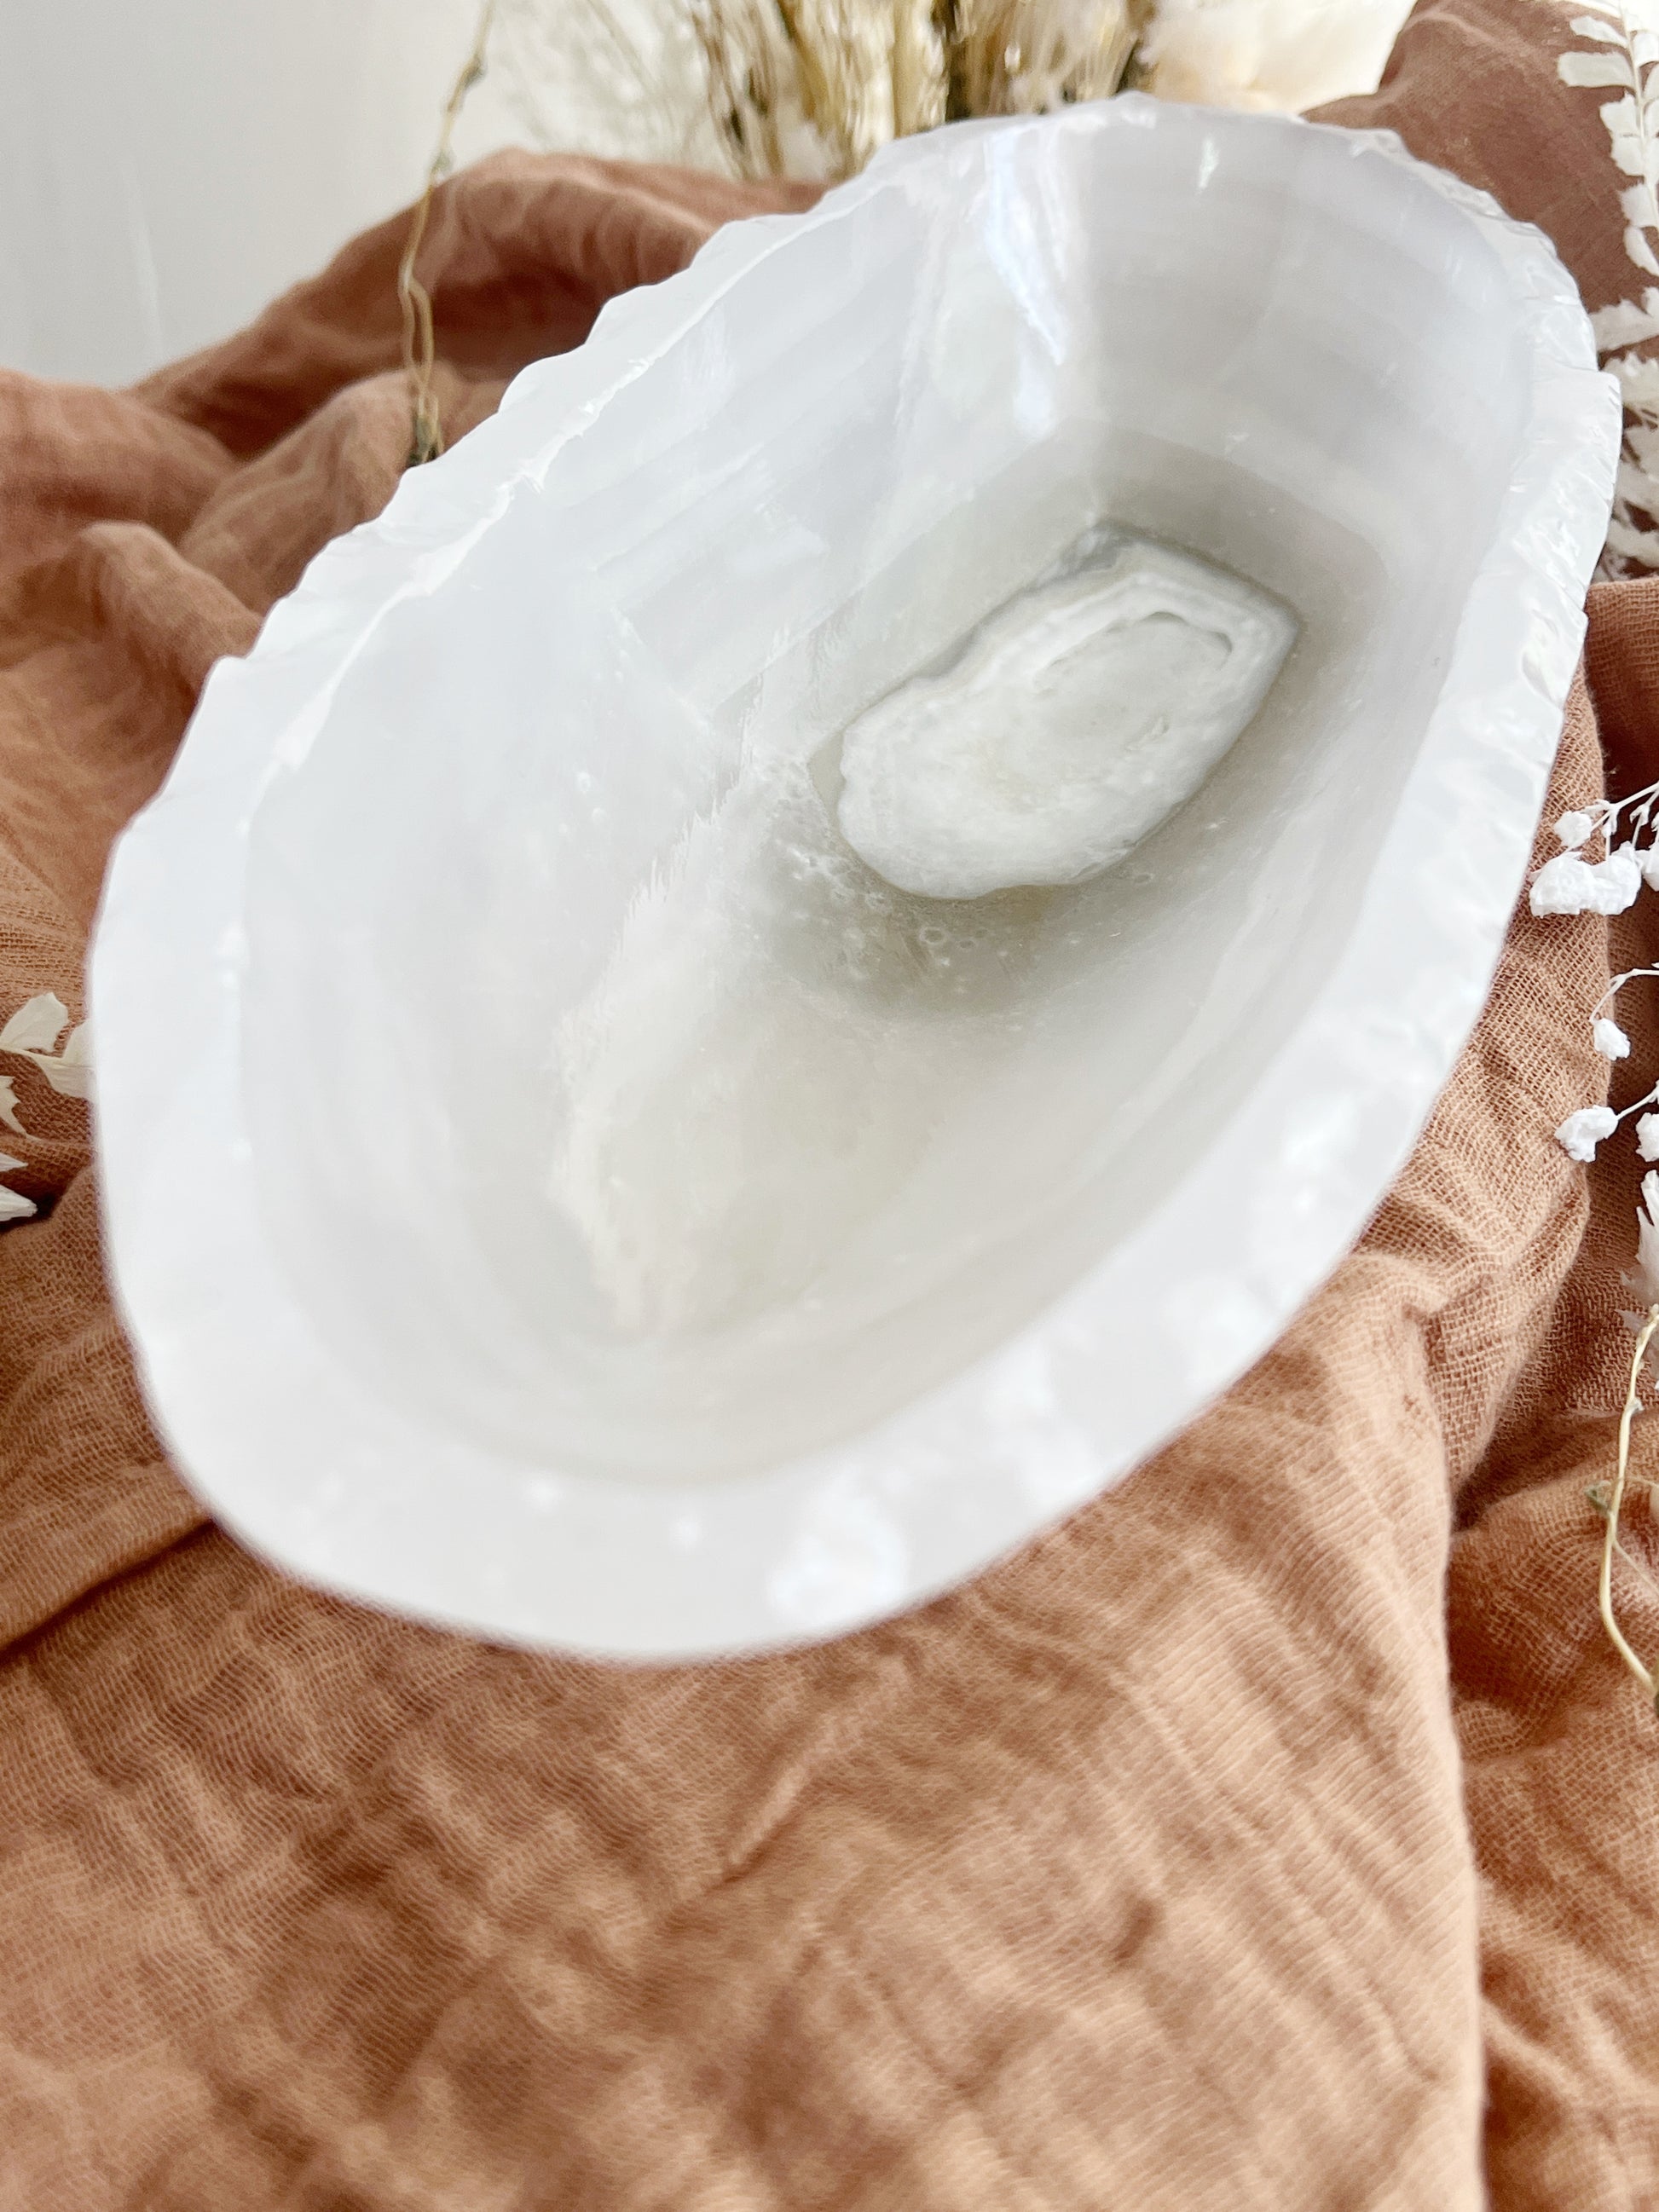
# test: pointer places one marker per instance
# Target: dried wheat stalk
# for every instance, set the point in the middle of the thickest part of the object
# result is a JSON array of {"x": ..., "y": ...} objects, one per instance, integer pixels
[{"x": 814, "y": 87}]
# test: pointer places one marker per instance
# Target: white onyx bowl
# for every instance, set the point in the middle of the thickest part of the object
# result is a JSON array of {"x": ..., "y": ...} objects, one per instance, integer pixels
[{"x": 799, "y": 1288}]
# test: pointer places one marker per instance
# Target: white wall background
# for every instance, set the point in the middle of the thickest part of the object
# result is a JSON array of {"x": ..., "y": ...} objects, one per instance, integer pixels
[{"x": 167, "y": 165}]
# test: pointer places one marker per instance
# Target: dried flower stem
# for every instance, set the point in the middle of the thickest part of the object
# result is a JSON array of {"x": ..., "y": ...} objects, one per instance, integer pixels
[
  {"x": 815, "y": 87},
  {"x": 1610, "y": 1541},
  {"x": 420, "y": 344}
]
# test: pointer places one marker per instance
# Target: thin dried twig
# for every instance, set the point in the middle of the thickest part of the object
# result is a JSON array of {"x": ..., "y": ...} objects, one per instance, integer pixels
[
  {"x": 1610, "y": 1542},
  {"x": 420, "y": 344}
]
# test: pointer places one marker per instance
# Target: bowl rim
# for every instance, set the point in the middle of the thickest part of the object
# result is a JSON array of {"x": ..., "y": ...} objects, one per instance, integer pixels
[{"x": 332, "y": 1482}]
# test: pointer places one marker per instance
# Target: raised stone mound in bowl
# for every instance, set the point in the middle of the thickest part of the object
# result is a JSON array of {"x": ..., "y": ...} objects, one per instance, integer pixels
[{"x": 580, "y": 1167}]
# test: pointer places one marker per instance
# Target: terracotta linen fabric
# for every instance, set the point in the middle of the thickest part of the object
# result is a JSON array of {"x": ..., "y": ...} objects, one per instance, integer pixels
[
  {"x": 1279, "y": 1833},
  {"x": 1534, "y": 102},
  {"x": 1475, "y": 86}
]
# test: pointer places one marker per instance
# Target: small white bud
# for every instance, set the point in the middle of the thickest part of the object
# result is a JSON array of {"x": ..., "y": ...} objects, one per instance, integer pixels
[
  {"x": 1573, "y": 828},
  {"x": 1647, "y": 1136},
  {"x": 1610, "y": 1040},
  {"x": 1562, "y": 886},
  {"x": 1580, "y": 1133},
  {"x": 1567, "y": 885},
  {"x": 1617, "y": 881}
]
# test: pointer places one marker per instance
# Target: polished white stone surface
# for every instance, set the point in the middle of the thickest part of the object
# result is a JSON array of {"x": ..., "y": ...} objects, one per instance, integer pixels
[{"x": 545, "y": 1194}]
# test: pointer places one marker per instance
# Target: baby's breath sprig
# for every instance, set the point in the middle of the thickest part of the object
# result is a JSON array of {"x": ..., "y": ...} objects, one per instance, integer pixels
[
  {"x": 1590, "y": 1126},
  {"x": 1570, "y": 884}
]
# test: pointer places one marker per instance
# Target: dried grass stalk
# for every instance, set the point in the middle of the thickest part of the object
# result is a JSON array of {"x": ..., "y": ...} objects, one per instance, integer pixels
[
  {"x": 814, "y": 87},
  {"x": 1610, "y": 1505},
  {"x": 426, "y": 439}
]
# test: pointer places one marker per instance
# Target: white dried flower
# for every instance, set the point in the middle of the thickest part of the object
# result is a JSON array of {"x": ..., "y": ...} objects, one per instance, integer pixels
[
  {"x": 1573, "y": 828},
  {"x": 69, "y": 1072},
  {"x": 1647, "y": 1136},
  {"x": 1609, "y": 1039},
  {"x": 1644, "y": 1279},
  {"x": 1580, "y": 1133},
  {"x": 1271, "y": 54},
  {"x": 1562, "y": 885},
  {"x": 36, "y": 1026},
  {"x": 1617, "y": 881},
  {"x": 31, "y": 1034},
  {"x": 14, "y": 1206},
  {"x": 1567, "y": 885}
]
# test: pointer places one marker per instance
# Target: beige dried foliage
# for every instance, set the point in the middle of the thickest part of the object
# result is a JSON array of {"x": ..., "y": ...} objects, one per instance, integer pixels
[
  {"x": 805, "y": 89},
  {"x": 813, "y": 88}
]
